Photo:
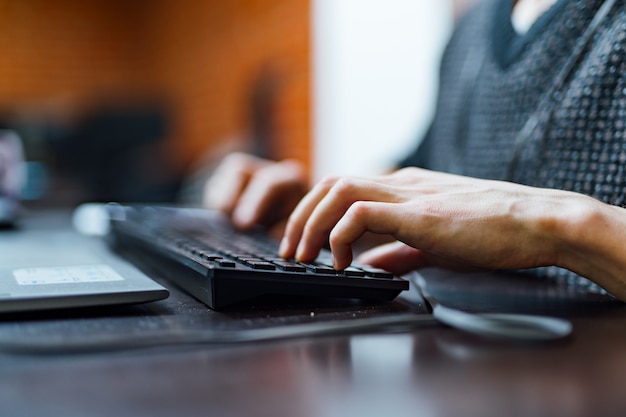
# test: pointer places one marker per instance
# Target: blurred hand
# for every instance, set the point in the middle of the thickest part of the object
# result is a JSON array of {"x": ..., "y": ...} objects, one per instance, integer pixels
[
  {"x": 437, "y": 220},
  {"x": 255, "y": 191}
]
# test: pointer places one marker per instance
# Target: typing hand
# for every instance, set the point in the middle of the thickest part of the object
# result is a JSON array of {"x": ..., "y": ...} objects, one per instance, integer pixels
[
  {"x": 437, "y": 219},
  {"x": 252, "y": 190}
]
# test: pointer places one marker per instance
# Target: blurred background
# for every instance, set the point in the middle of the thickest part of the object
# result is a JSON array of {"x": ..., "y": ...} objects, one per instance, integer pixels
[{"x": 135, "y": 101}]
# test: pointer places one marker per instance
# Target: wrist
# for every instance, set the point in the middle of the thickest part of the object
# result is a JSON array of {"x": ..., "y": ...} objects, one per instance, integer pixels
[{"x": 592, "y": 236}]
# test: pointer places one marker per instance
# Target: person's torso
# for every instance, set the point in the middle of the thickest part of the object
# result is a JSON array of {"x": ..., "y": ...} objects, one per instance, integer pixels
[{"x": 493, "y": 81}]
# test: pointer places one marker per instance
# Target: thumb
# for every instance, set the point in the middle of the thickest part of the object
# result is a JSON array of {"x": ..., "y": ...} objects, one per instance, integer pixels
[{"x": 396, "y": 257}]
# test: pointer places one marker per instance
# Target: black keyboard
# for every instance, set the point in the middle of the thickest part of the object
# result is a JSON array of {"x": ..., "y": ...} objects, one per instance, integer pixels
[{"x": 222, "y": 266}]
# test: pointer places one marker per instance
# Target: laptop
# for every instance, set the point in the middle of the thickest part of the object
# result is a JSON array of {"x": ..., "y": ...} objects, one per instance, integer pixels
[{"x": 48, "y": 268}]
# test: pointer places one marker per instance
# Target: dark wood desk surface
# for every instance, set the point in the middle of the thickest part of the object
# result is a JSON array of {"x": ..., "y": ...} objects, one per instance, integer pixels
[{"x": 434, "y": 371}]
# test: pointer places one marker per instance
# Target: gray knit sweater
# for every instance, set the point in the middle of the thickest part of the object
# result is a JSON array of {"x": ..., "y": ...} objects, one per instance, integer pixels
[{"x": 493, "y": 81}]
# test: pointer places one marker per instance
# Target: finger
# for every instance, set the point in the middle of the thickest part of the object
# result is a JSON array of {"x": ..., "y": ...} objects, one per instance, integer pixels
[
  {"x": 223, "y": 189},
  {"x": 281, "y": 183},
  {"x": 376, "y": 217},
  {"x": 333, "y": 206},
  {"x": 422, "y": 180},
  {"x": 395, "y": 257},
  {"x": 400, "y": 258},
  {"x": 299, "y": 216}
]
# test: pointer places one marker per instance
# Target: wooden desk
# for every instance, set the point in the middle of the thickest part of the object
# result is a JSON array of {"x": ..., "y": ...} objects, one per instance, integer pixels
[{"x": 433, "y": 371}]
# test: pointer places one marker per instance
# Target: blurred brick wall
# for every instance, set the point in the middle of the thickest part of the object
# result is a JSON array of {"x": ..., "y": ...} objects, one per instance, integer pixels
[
  {"x": 67, "y": 51},
  {"x": 208, "y": 53},
  {"x": 203, "y": 55}
]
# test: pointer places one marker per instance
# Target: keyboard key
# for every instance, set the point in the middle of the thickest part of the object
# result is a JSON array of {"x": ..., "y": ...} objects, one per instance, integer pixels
[
  {"x": 261, "y": 265},
  {"x": 377, "y": 273},
  {"x": 211, "y": 256},
  {"x": 353, "y": 272},
  {"x": 319, "y": 269},
  {"x": 289, "y": 266}
]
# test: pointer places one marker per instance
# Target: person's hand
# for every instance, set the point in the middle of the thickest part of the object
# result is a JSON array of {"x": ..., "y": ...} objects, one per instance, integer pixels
[
  {"x": 437, "y": 219},
  {"x": 253, "y": 190}
]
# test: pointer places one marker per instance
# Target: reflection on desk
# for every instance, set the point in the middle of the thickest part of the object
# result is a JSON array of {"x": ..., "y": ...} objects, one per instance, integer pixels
[{"x": 434, "y": 372}]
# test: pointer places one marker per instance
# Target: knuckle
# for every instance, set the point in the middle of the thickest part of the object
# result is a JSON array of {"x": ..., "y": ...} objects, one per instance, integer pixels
[
  {"x": 294, "y": 166},
  {"x": 266, "y": 174},
  {"x": 336, "y": 237},
  {"x": 407, "y": 171},
  {"x": 328, "y": 181},
  {"x": 238, "y": 160},
  {"x": 357, "y": 210},
  {"x": 281, "y": 172},
  {"x": 344, "y": 186},
  {"x": 235, "y": 158}
]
